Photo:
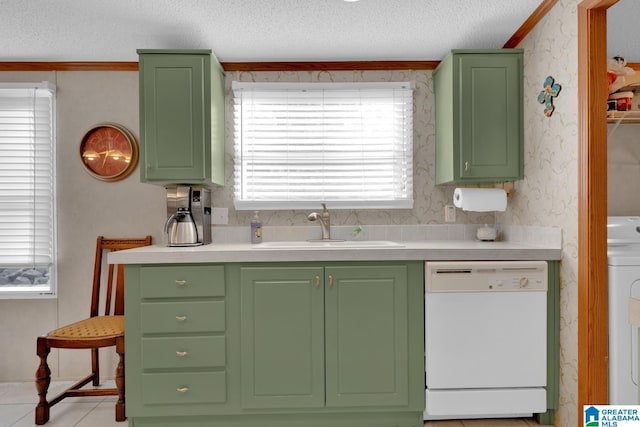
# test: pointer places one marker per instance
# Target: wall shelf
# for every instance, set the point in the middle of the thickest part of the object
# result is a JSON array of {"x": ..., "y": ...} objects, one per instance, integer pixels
[{"x": 623, "y": 116}]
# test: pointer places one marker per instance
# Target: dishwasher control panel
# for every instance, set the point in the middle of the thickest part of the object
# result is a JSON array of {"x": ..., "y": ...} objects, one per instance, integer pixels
[{"x": 486, "y": 276}]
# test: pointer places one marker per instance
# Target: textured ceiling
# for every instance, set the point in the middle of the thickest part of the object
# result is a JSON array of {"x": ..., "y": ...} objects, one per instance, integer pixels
[
  {"x": 275, "y": 30},
  {"x": 256, "y": 30}
]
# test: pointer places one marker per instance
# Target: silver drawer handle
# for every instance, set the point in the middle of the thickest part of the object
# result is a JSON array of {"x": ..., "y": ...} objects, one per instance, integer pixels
[
  {"x": 182, "y": 389},
  {"x": 181, "y": 353},
  {"x": 181, "y": 283},
  {"x": 466, "y": 166},
  {"x": 181, "y": 318}
]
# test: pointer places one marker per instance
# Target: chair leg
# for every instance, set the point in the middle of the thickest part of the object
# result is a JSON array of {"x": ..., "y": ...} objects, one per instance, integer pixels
[
  {"x": 43, "y": 379},
  {"x": 95, "y": 367},
  {"x": 120, "y": 405}
]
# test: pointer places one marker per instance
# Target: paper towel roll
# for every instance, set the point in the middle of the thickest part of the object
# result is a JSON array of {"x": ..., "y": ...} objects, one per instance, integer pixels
[{"x": 480, "y": 199}]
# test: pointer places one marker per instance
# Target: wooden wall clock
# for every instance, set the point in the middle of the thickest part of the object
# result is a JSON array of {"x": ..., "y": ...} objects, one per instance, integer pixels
[{"x": 109, "y": 152}]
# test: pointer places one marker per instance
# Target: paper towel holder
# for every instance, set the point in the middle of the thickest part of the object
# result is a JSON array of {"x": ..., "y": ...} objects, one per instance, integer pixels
[{"x": 508, "y": 187}]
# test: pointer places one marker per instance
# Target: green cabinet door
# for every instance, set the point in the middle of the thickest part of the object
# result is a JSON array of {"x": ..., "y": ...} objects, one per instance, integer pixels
[
  {"x": 367, "y": 344},
  {"x": 282, "y": 337},
  {"x": 479, "y": 116},
  {"x": 181, "y": 117}
]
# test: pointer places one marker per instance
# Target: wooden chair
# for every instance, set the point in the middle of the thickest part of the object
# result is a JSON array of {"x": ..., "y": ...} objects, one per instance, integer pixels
[{"x": 93, "y": 333}]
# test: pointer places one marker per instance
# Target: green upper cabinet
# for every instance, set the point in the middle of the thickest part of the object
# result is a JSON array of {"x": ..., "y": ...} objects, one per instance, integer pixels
[
  {"x": 479, "y": 116},
  {"x": 181, "y": 117}
]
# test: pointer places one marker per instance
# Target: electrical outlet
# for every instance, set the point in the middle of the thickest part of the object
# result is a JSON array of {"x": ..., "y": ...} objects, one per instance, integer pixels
[
  {"x": 219, "y": 216},
  {"x": 449, "y": 213}
]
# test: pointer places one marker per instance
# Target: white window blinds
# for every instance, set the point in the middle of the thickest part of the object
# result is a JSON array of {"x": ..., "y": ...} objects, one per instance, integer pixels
[
  {"x": 27, "y": 255},
  {"x": 347, "y": 144}
]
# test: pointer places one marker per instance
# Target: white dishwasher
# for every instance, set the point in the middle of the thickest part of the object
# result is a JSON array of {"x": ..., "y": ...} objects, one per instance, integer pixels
[{"x": 485, "y": 339}]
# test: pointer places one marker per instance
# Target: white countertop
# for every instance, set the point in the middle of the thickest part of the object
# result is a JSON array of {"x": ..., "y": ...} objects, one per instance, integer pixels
[{"x": 438, "y": 250}]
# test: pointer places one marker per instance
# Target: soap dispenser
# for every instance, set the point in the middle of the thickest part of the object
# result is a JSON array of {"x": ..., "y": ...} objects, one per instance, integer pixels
[{"x": 256, "y": 228}]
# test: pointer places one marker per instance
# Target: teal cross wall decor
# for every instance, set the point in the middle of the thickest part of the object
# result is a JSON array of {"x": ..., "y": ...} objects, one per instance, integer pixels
[{"x": 550, "y": 91}]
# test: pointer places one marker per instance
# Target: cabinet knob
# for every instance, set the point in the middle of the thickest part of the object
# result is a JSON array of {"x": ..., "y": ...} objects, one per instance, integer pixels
[
  {"x": 181, "y": 283},
  {"x": 182, "y": 389},
  {"x": 330, "y": 280},
  {"x": 466, "y": 166},
  {"x": 181, "y": 353},
  {"x": 317, "y": 281},
  {"x": 181, "y": 318}
]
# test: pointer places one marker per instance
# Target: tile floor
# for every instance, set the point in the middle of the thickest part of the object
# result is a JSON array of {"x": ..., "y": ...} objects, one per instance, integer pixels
[{"x": 18, "y": 400}]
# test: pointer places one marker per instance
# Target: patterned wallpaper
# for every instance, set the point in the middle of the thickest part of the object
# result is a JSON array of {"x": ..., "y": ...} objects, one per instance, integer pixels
[
  {"x": 429, "y": 200},
  {"x": 549, "y": 193}
]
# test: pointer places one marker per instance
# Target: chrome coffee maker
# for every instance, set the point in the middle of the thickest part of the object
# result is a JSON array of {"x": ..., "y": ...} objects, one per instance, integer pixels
[{"x": 188, "y": 216}]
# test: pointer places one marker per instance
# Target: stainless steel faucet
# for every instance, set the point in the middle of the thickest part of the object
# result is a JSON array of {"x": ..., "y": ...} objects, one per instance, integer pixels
[{"x": 325, "y": 221}]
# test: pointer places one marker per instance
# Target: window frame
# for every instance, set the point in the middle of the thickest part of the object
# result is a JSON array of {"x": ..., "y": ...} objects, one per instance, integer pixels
[
  {"x": 8, "y": 292},
  {"x": 404, "y": 186}
]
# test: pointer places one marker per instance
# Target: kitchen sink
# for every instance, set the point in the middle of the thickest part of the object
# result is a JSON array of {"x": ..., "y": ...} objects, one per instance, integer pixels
[{"x": 332, "y": 244}]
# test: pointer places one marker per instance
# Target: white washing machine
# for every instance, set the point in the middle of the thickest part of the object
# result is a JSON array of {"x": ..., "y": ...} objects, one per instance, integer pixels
[{"x": 623, "y": 239}]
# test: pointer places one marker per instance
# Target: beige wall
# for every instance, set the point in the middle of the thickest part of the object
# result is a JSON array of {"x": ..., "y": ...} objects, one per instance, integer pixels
[{"x": 86, "y": 208}]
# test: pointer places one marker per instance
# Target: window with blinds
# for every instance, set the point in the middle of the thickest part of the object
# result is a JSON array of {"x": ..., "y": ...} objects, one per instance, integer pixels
[
  {"x": 347, "y": 144},
  {"x": 27, "y": 186}
]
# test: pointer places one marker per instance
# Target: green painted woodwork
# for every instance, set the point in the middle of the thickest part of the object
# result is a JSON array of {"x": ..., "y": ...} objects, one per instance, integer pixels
[
  {"x": 355, "y": 313},
  {"x": 184, "y": 387},
  {"x": 178, "y": 282},
  {"x": 479, "y": 116},
  {"x": 282, "y": 337},
  {"x": 181, "y": 117},
  {"x": 157, "y": 299},
  {"x": 265, "y": 364},
  {"x": 366, "y": 336},
  {"x": 171, "y": 317},
  {"x": 369, "y": 419},
  {"x": 293, "y": 316},
  {"x": 183, "y": 352},
  {"x": 553, "y": 345}
]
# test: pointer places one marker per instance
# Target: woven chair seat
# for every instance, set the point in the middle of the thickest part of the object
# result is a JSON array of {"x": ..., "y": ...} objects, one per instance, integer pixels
[
  {"x": 93, "y": 327},
  {"x": 92, "y": 334}
]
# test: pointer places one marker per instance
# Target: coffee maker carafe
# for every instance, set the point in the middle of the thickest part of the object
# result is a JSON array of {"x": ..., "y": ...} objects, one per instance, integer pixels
[{"x": 188, "y": 216}]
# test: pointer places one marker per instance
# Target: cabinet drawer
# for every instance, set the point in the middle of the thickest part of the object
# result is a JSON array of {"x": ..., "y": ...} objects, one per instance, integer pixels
[
  {"x": 182, "y": 281},
  {"x": 180, "y": 317},
  {"x": 183, "y": 352},
  {"x": 179, "y": 388}
]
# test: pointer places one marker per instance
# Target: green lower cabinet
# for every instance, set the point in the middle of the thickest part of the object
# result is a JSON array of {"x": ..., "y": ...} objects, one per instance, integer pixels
[
  {"x": 366, "y": 336},
  {"x": 282, "y": 337},
  {"x": 182, "y": 388},
  {"x": 276, "y": 344},
  {"x": 334, "y": 337}
]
